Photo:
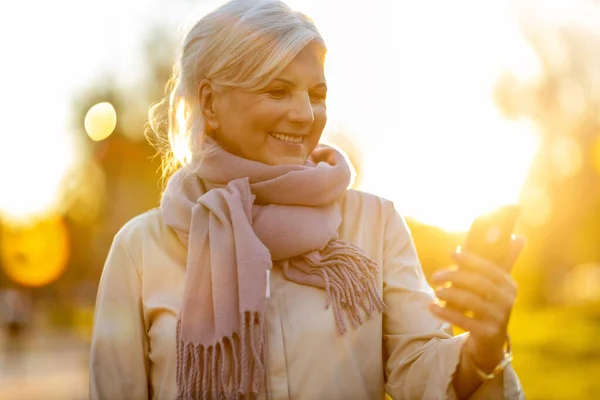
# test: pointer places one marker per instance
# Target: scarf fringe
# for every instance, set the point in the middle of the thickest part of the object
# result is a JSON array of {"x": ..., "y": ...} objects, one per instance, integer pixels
[
  {"x": 233, "y": 368},
  {"x": 350, "y": 278}
]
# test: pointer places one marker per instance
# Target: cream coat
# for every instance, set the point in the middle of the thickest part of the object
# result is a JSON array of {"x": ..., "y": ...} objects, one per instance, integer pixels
[{"x": 406, "y": 352}]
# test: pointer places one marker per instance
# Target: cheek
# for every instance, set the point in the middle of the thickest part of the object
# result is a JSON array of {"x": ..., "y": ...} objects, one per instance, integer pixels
[
  {"x": 267, "y": 115},
  {"x": 320, "y": 113}
]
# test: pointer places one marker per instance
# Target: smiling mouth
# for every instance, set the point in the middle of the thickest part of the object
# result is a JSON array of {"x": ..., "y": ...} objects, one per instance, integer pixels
[{"x": 284, "y": 137}]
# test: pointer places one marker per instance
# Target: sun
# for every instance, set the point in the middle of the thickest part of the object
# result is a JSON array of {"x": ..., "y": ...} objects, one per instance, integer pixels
[{"x": 416, "y": 88}]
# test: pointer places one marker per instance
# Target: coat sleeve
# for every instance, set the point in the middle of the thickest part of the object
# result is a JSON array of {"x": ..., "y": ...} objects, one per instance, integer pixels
[
  {"x": 421, "y": 354},
  {"x": 118, "y": 359}
]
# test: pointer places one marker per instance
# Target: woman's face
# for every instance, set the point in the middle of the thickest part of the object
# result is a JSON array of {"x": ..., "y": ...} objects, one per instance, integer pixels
[{"x": 283, "y": 123}]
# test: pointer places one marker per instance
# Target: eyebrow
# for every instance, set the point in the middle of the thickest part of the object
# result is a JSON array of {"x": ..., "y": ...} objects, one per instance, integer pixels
[{"x": 292, "y": 84}]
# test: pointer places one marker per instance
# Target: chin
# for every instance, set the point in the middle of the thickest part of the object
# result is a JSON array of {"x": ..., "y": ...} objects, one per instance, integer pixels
[{"x": 286, "y": 160}]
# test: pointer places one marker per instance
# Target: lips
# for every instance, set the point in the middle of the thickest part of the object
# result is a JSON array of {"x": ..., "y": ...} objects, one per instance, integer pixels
[{"x": 285, "y": 137}]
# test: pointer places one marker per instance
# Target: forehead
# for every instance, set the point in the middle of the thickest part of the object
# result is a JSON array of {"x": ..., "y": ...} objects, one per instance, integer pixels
[{"x": 307, "y": 66}]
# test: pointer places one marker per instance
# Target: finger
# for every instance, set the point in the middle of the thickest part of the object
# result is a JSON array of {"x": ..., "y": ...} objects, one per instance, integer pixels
[
  {"x": 517, "y": 245},
  {"x": 454, "y": 306},
  {"x": 478, "y": 265},
  {"x": 503, "y": 297},
  {"x": 456, "y": 318},
  {"x": 461, "y": 300},
  {"x": 464, "y": 279}
]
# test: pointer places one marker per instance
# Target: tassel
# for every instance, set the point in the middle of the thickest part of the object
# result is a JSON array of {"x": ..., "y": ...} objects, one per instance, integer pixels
[
  {"x": 350, "y": 282},
  {"x": 233, "y": 368}
]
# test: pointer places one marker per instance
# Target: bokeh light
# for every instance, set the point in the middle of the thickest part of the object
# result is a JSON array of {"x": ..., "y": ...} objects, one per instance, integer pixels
[
  {"x": 100, "y": 121},
  {"x": 35, "y": 253},
  {"x": 582, "y": 284}
]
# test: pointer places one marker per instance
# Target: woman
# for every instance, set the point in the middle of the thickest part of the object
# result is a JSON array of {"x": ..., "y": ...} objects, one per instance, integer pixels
[{"x": 261, "y": 275}]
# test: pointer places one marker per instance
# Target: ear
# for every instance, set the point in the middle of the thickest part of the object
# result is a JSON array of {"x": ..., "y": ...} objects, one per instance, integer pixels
[{"x": 206, "y": 96}]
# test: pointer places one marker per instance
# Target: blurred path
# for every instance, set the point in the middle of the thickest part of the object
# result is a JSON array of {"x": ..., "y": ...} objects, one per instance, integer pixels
[{"x": 47, "y": 365}]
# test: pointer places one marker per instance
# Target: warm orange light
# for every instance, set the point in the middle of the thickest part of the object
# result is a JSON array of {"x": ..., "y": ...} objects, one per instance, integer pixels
[
  {"x": 536, "y": 204},
  {"x": 596, "y": 155},
  {"x": 581, "y": 284},
  {"x": 566, "y": 156},
  {"x": 35, "y": 253},
  {"x": 85, "y": 192}
]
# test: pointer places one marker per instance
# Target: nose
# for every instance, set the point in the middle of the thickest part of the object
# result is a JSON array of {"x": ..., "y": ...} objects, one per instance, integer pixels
[{"x": 301, "y": 110}]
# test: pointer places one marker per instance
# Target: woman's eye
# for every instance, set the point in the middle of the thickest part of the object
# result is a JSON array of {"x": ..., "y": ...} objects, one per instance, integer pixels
[
  {"x": 318, "y": 97},
  {"x": 278, "y": 93}
]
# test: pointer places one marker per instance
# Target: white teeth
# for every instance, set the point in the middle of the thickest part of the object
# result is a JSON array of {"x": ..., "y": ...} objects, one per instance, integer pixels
[{"x": 288, "y": 138}]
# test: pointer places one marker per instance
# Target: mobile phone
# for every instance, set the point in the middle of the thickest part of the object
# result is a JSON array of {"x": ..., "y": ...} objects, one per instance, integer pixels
[{"x": 490, "y": 234}]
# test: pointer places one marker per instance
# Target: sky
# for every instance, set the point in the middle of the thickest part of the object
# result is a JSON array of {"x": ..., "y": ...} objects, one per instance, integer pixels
[{"x": 411, "y": 80}]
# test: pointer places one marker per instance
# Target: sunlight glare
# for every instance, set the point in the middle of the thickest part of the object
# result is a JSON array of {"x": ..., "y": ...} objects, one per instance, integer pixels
[
  {"x": 566, "y": 156},
  {"x": 536, "y": 205},
  {"x": 572, "y": 99},
  {"x": 33, "y": 164},
  {"x": 584, "y": 12},
  {"x": 178, "y": 139},
  {"x": 417, "y": 87}
]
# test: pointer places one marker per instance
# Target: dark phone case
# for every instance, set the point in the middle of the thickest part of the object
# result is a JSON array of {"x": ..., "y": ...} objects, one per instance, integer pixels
[{"x": 490, "y": 235}]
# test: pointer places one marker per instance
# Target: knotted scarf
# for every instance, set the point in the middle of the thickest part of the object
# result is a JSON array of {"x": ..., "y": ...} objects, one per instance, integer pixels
[{"x": 238, "y": 219}]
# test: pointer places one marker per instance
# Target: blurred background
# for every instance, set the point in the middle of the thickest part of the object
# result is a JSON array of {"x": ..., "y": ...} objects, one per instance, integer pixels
[{"x": 449, "y": 109}]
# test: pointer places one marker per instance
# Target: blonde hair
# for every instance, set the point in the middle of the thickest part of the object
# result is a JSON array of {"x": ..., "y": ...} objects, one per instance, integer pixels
[{"x": 243, "y": 44}]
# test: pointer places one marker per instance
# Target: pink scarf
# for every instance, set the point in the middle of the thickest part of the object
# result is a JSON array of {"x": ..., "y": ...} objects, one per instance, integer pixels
[{"x": 237, "y": 217}]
